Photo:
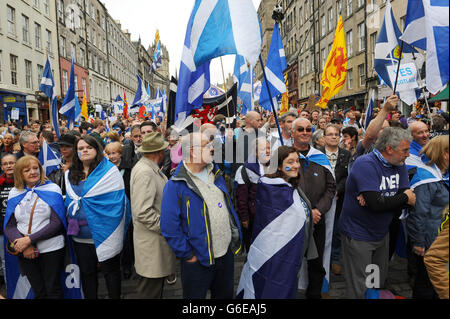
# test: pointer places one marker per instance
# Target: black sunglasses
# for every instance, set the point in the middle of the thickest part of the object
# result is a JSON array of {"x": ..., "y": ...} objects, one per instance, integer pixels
[{"x": 307, "y": 129}]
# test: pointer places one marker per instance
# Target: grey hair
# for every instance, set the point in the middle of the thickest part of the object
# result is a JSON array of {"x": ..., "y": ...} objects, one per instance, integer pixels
[
  {"x": 392, "y": 136},
  {"x": 24, "y": 136},
  {"x": 298, "y": 119},
  {"x": 317, "y": 135}
]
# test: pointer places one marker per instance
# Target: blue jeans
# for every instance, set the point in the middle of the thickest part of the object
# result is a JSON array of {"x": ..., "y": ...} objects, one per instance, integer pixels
[{"x": 196, "y": 279}]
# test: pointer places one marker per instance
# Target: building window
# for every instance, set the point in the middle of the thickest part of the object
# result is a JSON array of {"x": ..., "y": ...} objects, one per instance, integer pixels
[
  {"x": 83, "y": 83},
  {"x": 72, "y": 19},
  {"x": 93, "y": 12},
  {"x": 324, "y": 26},
  {"x": 11, "y": 12},
  {"x": 349, "y": 40},
  {"x": 73, "y": 51},
  {"x": 37, "y": 4},
  {"x": 302, "y": 68},
  {"x": 330, "y": 19},
  {"x": 60, "y": 7},
  {"x": 350, "y": 78},
  {"x": 338, "y": 8},
  {"x": 65, "y": 81},
  {"x": 37, "y": 35},
  {"x": 307, "y": 64},
  {"x": 13, "y": 64},
  {"x": 300, "y": 13},
  {"x": 82, "y": 57},
  {"x": 26, "y": 29},
  {"x": 362, "y": 75},
  {"x": 349, "y": 7},
  {"x": 62, "y": 46},
  {"x": 360, "y": 3},
  {"x": 361, "y": 37},
  {"x": 76, "y": 85},
  {"x": 40, "y": 72},
  {"x": 46, "y": 7},
  {"x": 49, "y": 40},
  {"x": 302, "y": 90},
  {"x": 28, "y": 82},
  {"x": 324, "y": 58}
]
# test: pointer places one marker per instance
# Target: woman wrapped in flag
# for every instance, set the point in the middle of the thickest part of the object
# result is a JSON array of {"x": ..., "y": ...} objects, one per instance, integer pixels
[
  {"x": 98, "y": 213},
  {"x": 280, "y": 232},
  {"x": 430, "y": 184},
  {"x": 34, "y": 225}
]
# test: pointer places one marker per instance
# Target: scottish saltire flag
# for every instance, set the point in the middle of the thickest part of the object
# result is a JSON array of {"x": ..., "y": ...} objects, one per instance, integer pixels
[
  {"x": 157, "y": 54},
  {"x": 243, "y": 75},
  {"x": 369, "y": 110},
  {"x": 387, "y": 54},
  {"x": 106, "y": 206},
  {"x": 276, "y": 64},
  {"x": 424, "y": 173},
  {"x": 68, "y": 105},
  {"x": 48, "y": 87},
  {"x": 193, "y": 81},
  {"x": 276, "y": 253},
  {"x": 17, "y": 285},
  {"x": 427, "y": 28},
  {"x": 141, "y": 96},
  {"x": 320, "y": 158},
  {"x": 164, "y": 102},
  {"x": 48, "y": 158},
  {"x": 221, "y": 27}
]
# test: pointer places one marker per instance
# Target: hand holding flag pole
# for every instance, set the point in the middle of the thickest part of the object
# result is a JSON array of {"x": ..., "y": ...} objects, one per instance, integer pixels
[{"x": 270, "y": 98}]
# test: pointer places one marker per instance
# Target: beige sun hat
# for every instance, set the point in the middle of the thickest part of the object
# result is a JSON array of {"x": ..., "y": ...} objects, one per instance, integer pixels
[{"x": 153, "y": 142}]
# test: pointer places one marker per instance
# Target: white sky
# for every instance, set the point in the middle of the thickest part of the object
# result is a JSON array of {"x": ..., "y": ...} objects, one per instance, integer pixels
[{"x": 143, "y": 17}]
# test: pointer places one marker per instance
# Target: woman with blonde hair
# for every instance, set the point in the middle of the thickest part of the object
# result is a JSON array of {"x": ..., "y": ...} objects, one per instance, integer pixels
[
  {"x": 430, "y": 184},
  {"x": 34, "y": 226}
]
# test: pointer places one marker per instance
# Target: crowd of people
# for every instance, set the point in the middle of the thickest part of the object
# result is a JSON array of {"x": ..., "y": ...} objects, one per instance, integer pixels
[{"x": 328, "y": 195}]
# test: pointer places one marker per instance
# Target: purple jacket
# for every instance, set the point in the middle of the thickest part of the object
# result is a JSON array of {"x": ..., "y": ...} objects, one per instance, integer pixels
[{"x": 246, "y": 194}]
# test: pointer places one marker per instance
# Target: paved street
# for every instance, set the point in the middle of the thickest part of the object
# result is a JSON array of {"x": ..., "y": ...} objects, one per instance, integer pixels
[{"x": 398, "y": 282}]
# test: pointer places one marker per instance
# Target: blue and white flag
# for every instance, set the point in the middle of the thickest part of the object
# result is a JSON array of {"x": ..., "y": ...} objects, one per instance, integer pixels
[
  {"x": 48, "y": 158},
  {"x": 106, "y": 207},
  {"x": 276, "y": 253},
  {"x": 275, "y": 65},
  {"x": 320, "y": 158},
  {"x": 141, "y": 96},
  {"x": 17, "y": 285},
  {"x": 213, "y": 91},
  {"x": 243, "y": 75},
  {"x": 427, "y": 28},
  {"x": 369, "y": 111},
  {"x": 156, "y": 57},
  {"x": 48, "y": 87},
  {"x": 193, "y": 81},
  {"x": 387, "y": 57},
  {"x": 221, "y": 27},
  {"x": 257, "y": 87},
  {"x": 77, "y": 110},
  {"x": 164, "y": 102},
  {"x": 68, "y": 105}
]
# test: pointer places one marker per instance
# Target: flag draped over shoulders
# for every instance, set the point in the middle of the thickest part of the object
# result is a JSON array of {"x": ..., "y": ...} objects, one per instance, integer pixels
[
  {"x": 276, "y": 252},
  {"x": 106, "y": 206},
  {"x": 316, "y": 156},
  {"x": 18, "y": 286}
]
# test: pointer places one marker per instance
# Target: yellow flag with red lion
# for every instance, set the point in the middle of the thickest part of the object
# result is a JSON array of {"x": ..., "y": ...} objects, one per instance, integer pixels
[{"x": 335, "y": 71}]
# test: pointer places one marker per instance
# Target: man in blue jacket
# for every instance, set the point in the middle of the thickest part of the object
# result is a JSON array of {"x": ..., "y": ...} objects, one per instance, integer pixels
[{"x": 200, "y": 223}]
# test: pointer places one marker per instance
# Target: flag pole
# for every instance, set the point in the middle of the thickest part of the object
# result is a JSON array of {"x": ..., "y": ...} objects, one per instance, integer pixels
[
  {"x": 398, "y": 66},
  {"x": 270, "y": 98},
  {"x": 226, "y": 95},
  {"x": 423, "y": 90}
]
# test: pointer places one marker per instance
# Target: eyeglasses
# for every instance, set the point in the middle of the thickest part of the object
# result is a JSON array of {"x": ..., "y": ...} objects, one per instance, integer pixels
[{"x": 306, "y": 129}]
